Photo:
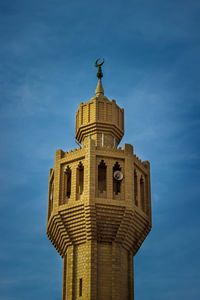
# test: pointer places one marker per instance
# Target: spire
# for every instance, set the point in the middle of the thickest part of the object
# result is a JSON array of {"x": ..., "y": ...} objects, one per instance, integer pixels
[{"x": 99, "y": 89}]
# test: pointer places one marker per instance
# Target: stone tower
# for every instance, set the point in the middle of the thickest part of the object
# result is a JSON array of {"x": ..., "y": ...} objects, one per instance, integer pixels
[{"x": 99, "y": 206}]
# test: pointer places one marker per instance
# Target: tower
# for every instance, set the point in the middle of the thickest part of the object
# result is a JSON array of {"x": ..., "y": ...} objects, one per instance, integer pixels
[{"x": 99, "y": 205}]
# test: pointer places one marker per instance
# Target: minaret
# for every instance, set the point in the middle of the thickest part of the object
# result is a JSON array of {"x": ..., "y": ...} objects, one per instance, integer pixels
[{"x": 99, "y": 207}]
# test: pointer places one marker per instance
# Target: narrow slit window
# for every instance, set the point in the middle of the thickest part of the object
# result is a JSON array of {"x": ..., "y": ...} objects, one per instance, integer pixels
[
  {"x": 102, "y": 177},
  {"x": 116, "y": 183},
  {"x": 68, "y": 176},
  {"x": 135, "y": 188},
  {"x": 80, "y": 287},
  {"x": 142, "y": 192},
  {"x": 80, "y": 179}
]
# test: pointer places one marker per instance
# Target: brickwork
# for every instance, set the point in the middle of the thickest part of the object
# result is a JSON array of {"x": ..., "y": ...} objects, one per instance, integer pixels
[
  {"x": 101, "y": 119},
  {"x": 106, "y": 267},
  {"x": 94, "y": 227}
]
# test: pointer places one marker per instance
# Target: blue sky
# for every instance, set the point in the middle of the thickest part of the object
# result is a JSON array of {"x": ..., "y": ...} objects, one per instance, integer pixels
[{"x": 151, "y": 51}]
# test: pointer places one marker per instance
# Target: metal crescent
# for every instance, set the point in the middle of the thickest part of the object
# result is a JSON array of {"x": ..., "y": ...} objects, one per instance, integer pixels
[{"x": 98, "y": 65}]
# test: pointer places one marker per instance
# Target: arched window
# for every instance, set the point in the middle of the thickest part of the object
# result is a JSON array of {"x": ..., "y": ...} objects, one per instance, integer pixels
[
  {"x": 68, "y": 176},
  {"x": 102, "y": 177},
  {"x": 116, "y": 183},
  {"x": 135, "y": 188},
  {"x": 80, "y": 179},
  {"x": 142, "y": 193},
  {"x": 51, "y": 196}
]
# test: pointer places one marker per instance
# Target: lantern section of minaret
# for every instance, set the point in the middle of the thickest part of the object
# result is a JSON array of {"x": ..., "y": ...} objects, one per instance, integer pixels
[{"x": 99, "y": 207}]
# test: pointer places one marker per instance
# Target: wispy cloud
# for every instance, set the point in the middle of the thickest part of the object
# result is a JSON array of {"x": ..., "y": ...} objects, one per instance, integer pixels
[{"x": 151, "y": 51}]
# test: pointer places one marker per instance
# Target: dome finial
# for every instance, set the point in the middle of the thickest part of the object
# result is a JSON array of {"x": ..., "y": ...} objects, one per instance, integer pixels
[
  {"x": 98, "y": 65},
  {"x": 99, "y": 89}
]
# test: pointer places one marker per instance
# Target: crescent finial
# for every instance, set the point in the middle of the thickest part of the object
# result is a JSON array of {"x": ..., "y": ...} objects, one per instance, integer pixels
[{"x": 98, "y": 65}]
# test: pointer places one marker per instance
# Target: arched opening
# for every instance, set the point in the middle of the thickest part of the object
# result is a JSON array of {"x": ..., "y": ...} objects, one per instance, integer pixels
[
  {"x": 142, "y": 193},
  {"x": 51, "y": 196},
  {"x": 135, "y": 188},
  {"x": 102, "y": 177},
  {"x": 68, "y": 176},
  {"x": 80, "y": 179},
  {"x": 116, "y": 183}
]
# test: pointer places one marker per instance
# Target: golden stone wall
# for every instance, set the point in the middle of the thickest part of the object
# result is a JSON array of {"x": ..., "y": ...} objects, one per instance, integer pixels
[{"x": 105, "y": 269}]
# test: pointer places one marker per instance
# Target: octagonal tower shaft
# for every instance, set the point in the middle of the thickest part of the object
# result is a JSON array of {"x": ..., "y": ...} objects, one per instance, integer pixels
[{"x": 96, "y": 223}]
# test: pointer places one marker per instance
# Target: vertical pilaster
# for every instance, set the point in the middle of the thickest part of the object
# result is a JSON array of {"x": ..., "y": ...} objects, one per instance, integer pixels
[
  {"x": 73, "y": 183},
  {"x": 70, "y": 273},
  {"x": 57, "y": 178},
  {"x": 109, "y": 179},
  {"x": 116, "y": 272},
  {"x": 93, "y": 274},
  {"x": 148, "y": 183},
  {"x": 128, "y": 149},
  {"x": 90, "y": 169},
  {"x": 131, "y": 277}
]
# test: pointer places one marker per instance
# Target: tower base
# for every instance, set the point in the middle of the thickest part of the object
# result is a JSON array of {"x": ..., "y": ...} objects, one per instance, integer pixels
[{"x": 98, "y": 271}]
